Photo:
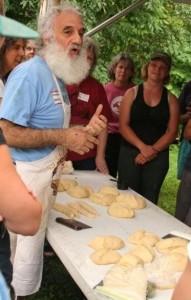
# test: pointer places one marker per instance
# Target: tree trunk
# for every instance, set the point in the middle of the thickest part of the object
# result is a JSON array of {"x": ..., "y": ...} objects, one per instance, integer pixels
[
  {"x": 2, "y": 12},
  {"x": 46, "y": 5}
]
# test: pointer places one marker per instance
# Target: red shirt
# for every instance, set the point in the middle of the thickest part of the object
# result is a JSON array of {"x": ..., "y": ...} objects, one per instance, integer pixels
[{"x": 84, "y": 100}]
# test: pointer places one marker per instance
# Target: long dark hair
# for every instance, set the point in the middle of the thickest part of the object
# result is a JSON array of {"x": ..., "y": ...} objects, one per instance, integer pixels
[{"x": 8, "y": 42}]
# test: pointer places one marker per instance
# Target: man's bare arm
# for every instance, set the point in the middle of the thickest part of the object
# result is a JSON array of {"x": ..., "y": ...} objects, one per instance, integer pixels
[{"x": 75, "y": 138}]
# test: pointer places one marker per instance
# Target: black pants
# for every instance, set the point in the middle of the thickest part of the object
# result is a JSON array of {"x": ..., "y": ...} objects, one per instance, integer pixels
[
  {"x": 112, "y": 153},
  {"x": 5, "y": 263},
  {"x": 145, "y": 179},
  {"x": 5, "y": 253},
  {"x": 183, "y": 204}
]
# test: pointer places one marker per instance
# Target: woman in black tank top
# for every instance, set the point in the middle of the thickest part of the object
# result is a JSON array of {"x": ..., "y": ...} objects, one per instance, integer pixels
[{"x": 149, "y": 118}]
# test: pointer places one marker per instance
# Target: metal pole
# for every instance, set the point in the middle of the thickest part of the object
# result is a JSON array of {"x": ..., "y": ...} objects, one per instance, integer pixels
[
  {"x": 116, "y": 17},
  {"x": 183, "y": 1}
]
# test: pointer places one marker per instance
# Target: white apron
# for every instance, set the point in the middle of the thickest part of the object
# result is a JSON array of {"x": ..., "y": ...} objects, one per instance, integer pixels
[{"x": 27, "y": 251}]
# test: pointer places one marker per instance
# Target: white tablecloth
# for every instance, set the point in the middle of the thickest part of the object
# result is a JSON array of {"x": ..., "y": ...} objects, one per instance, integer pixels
[{"x": 71, "y": 246}]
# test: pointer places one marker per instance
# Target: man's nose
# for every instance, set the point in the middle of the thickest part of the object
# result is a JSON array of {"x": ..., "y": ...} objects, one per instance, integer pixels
[{"x": 77, "y": 38}]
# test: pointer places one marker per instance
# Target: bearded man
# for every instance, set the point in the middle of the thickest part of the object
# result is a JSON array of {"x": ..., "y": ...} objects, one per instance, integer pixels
[{"x": 35, "y": 115}]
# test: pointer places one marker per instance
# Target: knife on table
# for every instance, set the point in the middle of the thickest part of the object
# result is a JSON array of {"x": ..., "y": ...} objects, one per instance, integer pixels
[
  {"x": 73, "y": 224},
  {"x": 175, "y": 233}
]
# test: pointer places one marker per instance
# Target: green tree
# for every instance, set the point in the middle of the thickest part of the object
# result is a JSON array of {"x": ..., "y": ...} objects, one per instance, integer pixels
[{"x": 25, "y": 11}]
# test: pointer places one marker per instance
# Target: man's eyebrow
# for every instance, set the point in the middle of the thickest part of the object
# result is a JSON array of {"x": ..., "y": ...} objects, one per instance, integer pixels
[{"x": 71, "y": 27}]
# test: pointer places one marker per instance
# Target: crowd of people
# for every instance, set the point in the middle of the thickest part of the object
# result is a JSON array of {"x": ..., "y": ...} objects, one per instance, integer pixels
[{"x": 121, "y": 128}]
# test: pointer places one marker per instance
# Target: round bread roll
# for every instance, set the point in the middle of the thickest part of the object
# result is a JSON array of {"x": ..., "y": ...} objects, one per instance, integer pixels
[
  {"x": 174, "y": 262},
  {"x": 102, "y": 198},
  {"x": 105, "y": 257},
  {"x": 133, "y": 201},
  {"x": 130, "y": 260},
  {"x": 106, "y": 242},
  {"x": 166, "y": 245},
  {"x": 146, "y": 253},
  {"x": 65, "y": 184},
  {"x": 80, "y": 191},
  {"x": 120, "y": 210},
  {"x": 144, "y": 238},
  {"x": 109, "y": 189},
  {"x": 181, "y": 250}
]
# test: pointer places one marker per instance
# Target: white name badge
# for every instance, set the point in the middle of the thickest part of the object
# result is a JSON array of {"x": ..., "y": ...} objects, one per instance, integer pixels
[{"x": 83, "y": 97}]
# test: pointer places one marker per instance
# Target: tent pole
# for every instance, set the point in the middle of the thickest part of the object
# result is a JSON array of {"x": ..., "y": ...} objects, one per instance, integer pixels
[{"x": 116, "y": 17}]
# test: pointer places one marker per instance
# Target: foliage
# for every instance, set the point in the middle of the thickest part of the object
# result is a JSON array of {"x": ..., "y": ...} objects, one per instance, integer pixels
[
  {"x": 155, "y": 25},
  {"x": 25, "y": 11},
  {"x": 167, "y": 198}
]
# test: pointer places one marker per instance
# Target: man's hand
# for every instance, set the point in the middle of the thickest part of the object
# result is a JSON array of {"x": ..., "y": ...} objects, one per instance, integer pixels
[
  {"x": 79, "y": 140},
  {"x": 97, "y": 123}
]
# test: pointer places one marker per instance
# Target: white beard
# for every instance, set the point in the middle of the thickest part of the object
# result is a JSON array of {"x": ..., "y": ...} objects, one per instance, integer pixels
[{"x": 70, "y": 70}]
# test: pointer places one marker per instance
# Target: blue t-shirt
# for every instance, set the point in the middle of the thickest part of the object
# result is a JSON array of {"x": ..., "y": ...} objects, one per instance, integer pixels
[
  {"x": 31, "y": 99},
  {"x": 4, "y": 292}
]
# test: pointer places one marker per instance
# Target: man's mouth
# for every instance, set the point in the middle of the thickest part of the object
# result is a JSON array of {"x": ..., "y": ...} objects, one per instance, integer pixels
[{"x": 74, "y": 50}]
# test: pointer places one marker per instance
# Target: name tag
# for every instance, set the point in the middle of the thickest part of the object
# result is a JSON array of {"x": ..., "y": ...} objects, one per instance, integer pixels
[
  {"x": 56, "y": 97},
  {"x": 83, "y": 97}
]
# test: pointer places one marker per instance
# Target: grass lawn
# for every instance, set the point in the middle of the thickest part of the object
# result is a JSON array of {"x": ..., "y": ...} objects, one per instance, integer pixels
[
  {"x": 167, "y": 198},
  {"x": 57, "y": 284}
]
